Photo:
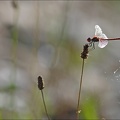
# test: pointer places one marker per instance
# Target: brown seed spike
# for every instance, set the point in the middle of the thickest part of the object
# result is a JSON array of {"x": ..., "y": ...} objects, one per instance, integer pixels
[
  {"x": 84, "y": 54},
  {"x": 40, "y": 83}
]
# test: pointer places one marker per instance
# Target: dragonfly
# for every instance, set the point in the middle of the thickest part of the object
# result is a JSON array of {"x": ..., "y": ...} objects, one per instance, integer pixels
[{"x": 100, "y": 37}]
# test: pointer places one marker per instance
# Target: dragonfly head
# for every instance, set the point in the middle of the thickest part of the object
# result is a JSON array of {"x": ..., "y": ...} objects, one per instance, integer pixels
[{"x": 89, "y": 39}]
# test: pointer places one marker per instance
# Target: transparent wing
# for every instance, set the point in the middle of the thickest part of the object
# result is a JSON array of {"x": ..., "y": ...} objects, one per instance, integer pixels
[
  {"x": 100, "y": 35},
  {"x": 104, "y": 36},
  {"x": 102, "y": 43},
  {"x": 98, "y": 31}
]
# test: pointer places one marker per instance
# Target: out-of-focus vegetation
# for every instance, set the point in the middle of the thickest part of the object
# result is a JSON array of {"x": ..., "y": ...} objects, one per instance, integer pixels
[{"x": 46, "y": 38}]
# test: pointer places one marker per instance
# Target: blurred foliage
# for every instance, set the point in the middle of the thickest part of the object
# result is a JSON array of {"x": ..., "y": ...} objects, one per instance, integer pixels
[
  {"x": 90, "y": 108},
  {"x": 9, "y": 89},
  {"x": 61, "y": 35}
]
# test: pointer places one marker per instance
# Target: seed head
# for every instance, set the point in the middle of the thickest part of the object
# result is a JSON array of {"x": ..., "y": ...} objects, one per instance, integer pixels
[
  {"x": 85, "y": 54},
  {"x": 40, "y": 83}
]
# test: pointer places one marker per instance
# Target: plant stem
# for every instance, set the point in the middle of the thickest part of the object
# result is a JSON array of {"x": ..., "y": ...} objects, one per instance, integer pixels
[
  {"x": 79, "y": 95},
  {"x": 45, "y": 105}
]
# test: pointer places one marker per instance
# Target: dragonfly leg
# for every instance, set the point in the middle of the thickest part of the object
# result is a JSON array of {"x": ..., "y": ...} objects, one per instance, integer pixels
[{"x": 92, "y": 45}]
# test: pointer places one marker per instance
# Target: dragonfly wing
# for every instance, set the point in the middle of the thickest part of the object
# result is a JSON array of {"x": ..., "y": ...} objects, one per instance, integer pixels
[
  {"x": 104, "y": 36},
  {"x": 98, "y": 31},
  {"x": 100, "y": 35},
  {"x": 102, "y": 43}
]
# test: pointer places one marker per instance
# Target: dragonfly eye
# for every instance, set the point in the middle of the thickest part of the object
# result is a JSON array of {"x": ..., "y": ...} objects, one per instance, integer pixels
[{"x": 89, "y": 39}]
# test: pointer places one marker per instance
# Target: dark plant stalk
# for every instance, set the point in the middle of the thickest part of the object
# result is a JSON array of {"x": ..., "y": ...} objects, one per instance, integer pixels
[
  {"x": 80, "y": 88},
  {"x": 45, "y": 104},
  {"x": 84, "y": 56},
  {"x": 41, "y": 87}
]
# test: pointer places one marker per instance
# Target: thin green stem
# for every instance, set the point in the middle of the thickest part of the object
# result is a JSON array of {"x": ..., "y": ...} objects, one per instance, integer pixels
[
  {"x": 35, "y": 45},
  {"x": 45, "y": 105},
  {"x": 14, "y": 52},
  {"x": 37, "y": 30},
  {"x": 80, "y": 88},
  {"x": 15, "y": 33},
  {"x": 61, "y": 38}
]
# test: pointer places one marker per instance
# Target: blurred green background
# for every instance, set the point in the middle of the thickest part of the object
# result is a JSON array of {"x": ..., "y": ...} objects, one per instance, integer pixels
[{"x": 46, "y": 38}]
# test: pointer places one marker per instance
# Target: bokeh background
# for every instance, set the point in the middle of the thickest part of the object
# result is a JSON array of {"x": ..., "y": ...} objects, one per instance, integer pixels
[{"x": 46, "y": 38}]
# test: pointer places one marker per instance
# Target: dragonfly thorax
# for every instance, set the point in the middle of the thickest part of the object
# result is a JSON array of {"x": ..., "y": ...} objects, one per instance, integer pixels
[{"x": 94, "y": 39}]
